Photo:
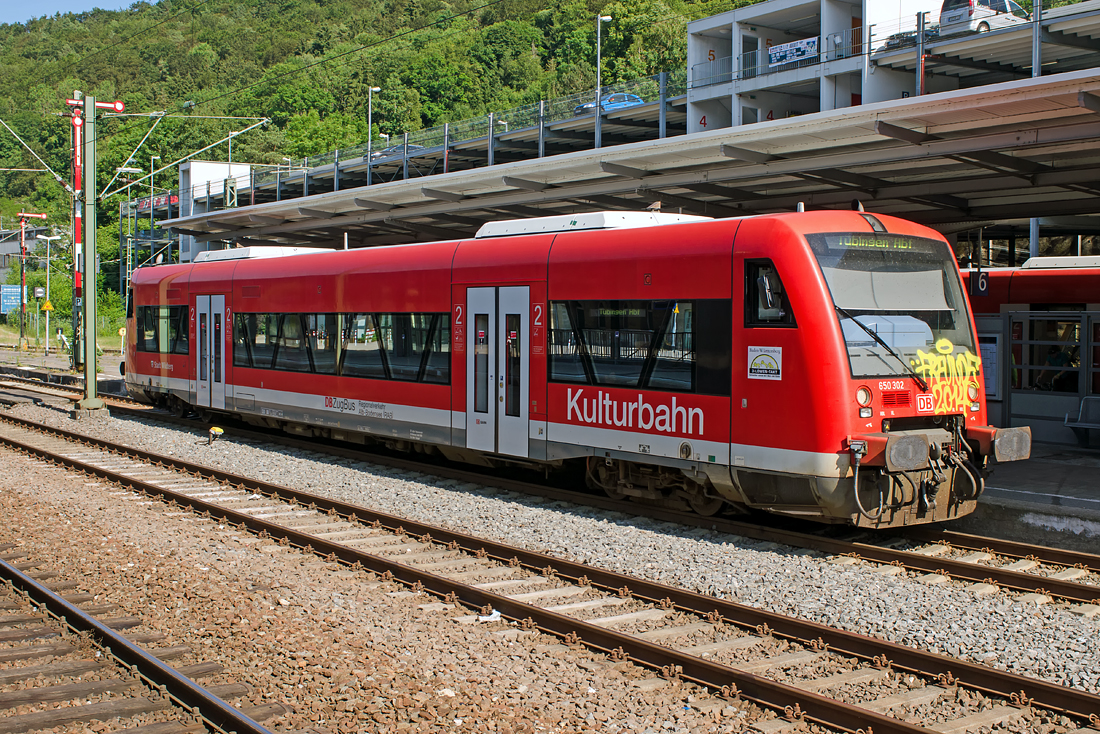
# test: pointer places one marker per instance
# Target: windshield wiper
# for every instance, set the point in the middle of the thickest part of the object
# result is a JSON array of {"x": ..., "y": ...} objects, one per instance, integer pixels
[{"x": 884, "y": 345}]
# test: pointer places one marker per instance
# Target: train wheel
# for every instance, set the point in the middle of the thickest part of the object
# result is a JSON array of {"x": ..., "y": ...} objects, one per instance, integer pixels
[
  {"x": 180, "y": 409},
  {"x": 614, "y": 493},
  {"x": 705, "y": 505},
  {"x": 597, "y": 477}
]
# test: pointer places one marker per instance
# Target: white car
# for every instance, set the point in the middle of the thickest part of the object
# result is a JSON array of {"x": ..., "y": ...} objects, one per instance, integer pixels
[{"x": 968, "y": 16}]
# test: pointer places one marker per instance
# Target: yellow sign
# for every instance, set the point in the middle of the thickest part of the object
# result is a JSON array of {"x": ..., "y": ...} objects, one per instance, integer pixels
[
  {"x": 47, "y": 306},
  {"x": 122, "y": 331}
]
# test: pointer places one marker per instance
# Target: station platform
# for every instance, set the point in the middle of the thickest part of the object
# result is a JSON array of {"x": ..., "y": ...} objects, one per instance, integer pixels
[{"x": 57, "y": 365}]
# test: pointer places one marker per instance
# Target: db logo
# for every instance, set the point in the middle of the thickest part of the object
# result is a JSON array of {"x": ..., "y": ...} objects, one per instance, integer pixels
[{"x": 926, "y": 403}]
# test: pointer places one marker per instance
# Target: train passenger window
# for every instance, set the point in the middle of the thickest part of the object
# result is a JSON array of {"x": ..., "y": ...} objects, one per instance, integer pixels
[
  {"x": 436, "y": 367},
  {"x": 413, "y": 347},
  {"x": 674, "y": 345},
  {"x": 147, "y": 323},
  {"x": 244, "y": 335},
  {"x": 404, "y": 336},
  {"x": 512, "y": 361},
  {"x": 481, "y": 363},
  {"x": 321, "y": 333},
  {"x": 766, "y": 302},
  {"x": 674, "y": 355},
  {"x": 291, "y": 352},
  {"x": 218, "y": 347},
  {"x": 566, "y": 361},
  {"x": 204, "y": 365},
  {"x": 363, "y": 356},
  {"x": 263, "y": 342},
  {"x": 178, "y": 328}
]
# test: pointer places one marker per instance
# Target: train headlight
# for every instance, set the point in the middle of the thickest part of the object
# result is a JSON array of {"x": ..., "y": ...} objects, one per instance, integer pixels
[
  {"x": 972, "y": 391},
  {"x": 863, "y": 397}
]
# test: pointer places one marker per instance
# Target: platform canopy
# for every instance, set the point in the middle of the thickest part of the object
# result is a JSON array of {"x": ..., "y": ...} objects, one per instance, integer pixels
[{"x": 954, "y": 161}]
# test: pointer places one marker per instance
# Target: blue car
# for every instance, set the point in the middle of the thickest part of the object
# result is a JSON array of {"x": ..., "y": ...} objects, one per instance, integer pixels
[{"x": 610, "y": 103}]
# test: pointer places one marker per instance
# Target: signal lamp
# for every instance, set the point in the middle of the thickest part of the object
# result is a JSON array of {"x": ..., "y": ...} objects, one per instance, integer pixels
[{"x": 863, "y": 397}]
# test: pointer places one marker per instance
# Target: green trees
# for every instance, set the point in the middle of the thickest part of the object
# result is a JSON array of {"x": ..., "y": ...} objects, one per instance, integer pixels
[{"x": 306, "y": 65}]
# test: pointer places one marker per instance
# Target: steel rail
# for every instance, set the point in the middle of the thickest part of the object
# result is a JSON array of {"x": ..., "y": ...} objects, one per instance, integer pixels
[
  {"x": 766, "y": 692},
  {"x": 1004, "y": 547},
  {"x": 155, "y": 673},
  {"x": 990, "y": 680},
  {"x": 1016, "y": 580}
]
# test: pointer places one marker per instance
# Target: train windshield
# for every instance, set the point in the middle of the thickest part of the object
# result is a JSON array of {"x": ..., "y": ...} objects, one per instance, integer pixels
[{"x": 899, "y": 301}]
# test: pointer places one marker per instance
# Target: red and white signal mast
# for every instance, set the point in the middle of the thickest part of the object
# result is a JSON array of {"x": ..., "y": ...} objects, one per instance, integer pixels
[{"x": 84, "y": 110}]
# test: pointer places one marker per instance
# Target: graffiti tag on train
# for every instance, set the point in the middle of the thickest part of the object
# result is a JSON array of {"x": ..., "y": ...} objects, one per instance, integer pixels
[{"x": 949, "y": 375}]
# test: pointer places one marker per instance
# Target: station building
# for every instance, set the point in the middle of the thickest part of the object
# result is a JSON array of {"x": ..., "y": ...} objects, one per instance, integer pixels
[{"x": 784, "y": 58}]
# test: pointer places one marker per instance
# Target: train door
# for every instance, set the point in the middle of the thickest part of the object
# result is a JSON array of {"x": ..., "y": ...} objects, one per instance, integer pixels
[
  {"x": 498, "y": 369},
  {"x": 210, "y": 351}
]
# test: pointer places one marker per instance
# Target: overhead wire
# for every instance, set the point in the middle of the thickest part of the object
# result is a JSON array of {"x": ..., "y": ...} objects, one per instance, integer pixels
[
  {"x": 330, "y": 59},
  {"x": 341, "y": 57}
]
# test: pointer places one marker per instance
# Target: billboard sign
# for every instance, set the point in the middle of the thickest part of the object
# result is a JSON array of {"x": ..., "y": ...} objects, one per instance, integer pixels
[
  {"x": 9, "y": 298},
  {"x": 786, "y": 53}
]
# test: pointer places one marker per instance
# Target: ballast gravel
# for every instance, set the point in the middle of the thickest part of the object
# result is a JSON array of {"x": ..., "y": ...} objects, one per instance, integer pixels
[
  {"x": 340, "y": 650},
  {"x": 1047, "y": 641}
]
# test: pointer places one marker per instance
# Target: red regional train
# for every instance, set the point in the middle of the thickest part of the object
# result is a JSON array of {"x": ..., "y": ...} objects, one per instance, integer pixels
[
  {"x": 1041, "y": 283},
  {"x": 820, "y": 365}
]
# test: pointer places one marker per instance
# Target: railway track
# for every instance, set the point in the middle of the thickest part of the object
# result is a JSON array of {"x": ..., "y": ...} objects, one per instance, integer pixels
[
  {"x": 800, "y": 670},
  {"x": 90, "y": 657},
  {"x": 989, "y": 564}
]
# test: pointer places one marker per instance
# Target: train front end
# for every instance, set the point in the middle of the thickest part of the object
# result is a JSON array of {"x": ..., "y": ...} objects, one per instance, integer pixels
[{"x": 917, "y": 444}]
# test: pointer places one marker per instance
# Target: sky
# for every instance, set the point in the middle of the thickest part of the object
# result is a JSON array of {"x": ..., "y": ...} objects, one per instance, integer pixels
[{"x": 13, "y": 11}]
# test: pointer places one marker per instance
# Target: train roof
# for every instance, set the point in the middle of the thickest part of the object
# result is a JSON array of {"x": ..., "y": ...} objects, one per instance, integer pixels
[
  {"x": 253, "y": 253},
  {"x": 1086, "y": 261},
  {"x": 586, "y": 221}
]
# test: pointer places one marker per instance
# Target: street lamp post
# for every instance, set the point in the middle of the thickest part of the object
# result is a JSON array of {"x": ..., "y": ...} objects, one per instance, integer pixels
[
  {"x": 130, "y": 239},
  {"x": 370, "y": 125},
  {"x": 152, "y": 196},
  {"x": 55, "y": 237},
  {"x": 23, "y": 217},
  {"x": 600, "y": 20}
]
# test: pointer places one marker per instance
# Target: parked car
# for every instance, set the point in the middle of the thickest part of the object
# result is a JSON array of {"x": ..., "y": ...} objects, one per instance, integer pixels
[
  {"x": 907, "y": 39},
  {"x": 610, "y": 103},
  {"x": 396, "y": 150},
  {"x": 969, "y": 16}
]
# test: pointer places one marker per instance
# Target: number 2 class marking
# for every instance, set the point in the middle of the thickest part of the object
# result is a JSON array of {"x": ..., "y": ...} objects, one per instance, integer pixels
[
  {"x": 458, "y": 315},
  {"x": 538, "y": 314}
]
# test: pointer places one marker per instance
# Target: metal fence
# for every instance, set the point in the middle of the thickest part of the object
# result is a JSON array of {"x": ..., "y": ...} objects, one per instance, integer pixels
[
  {"x": 474, "y": 128},
  {"x": 880, "y": 38},
  {"x": 835, "y": 46}
]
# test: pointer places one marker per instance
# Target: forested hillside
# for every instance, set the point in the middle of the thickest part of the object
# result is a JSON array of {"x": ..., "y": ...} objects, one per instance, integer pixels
[{"x": 306, "y": 64}]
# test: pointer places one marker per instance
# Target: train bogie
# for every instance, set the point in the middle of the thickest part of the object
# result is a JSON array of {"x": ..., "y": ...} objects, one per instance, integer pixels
[{"x": 819, "y": 365}]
